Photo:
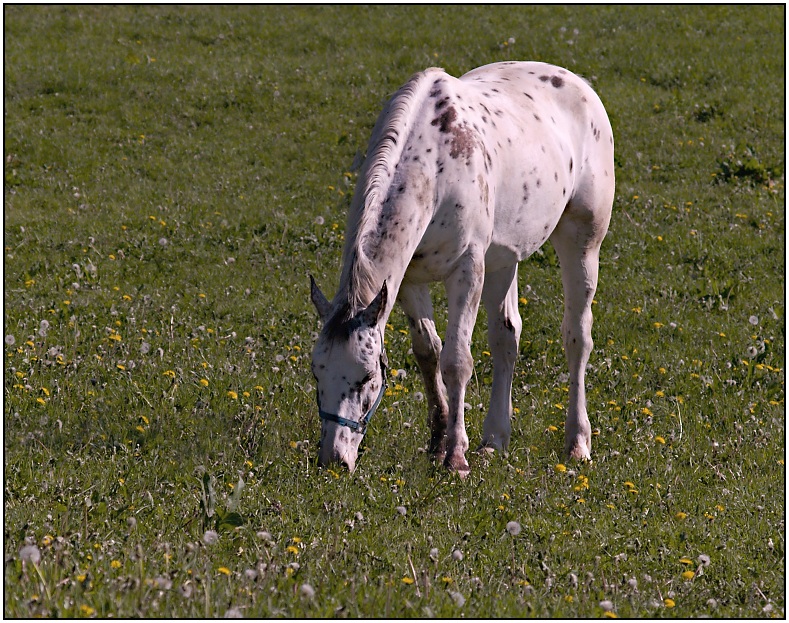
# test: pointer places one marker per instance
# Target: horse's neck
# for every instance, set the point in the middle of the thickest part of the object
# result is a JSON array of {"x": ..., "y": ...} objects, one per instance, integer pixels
[
  {"x": 383, "y": 250},
  {"x": 390, "y": 207}
]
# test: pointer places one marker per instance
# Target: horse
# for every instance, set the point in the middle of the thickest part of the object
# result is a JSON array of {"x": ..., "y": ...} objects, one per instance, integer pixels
[{"x": 464, "y": 178}]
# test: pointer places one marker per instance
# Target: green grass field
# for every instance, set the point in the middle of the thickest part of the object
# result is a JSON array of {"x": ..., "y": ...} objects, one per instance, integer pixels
[{"x": 172, "y": 175}]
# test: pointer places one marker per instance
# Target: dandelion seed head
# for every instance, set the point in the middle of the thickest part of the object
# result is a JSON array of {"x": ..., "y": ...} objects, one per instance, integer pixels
[
  {"x": 30, "y": 553},
  {"x": 233, "y": 613},
  {"x": 319, "y": 220},
  {"x": 514, "y": 528},
  {"x": 401, "y": 510},
  {"x": 306, "y": 591},
  {"x": 163, "y": 242},
  {"x": 458, "y": 598},
  {"x": 457, "y": 555},
  {"x": 607, "y": 605},
  {"x": 754, "y": 320},
  {"x": 264, "y": 535},
  {"x": 10, "y": 340},
  {"x": 433, "y": 554},
  {"x": 703, "y": 559},
  {"x": 210, "y": 537}
]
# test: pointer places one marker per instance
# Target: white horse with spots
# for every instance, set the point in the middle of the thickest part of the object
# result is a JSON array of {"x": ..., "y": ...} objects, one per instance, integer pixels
[{"x": 463, "y": 179}]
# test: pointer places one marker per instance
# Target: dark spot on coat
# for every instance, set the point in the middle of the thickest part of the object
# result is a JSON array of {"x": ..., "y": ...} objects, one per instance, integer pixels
[
  {"x": 525, "y": 192},
  {"x": 544, "y": 78},
  {"x": 571, "y": 165},
  {"x": 529, "y": 96},
  {"x": 538, "y": 182},
  {"x": 555, "y": 177},
  {"x": 536, "y": 116},
  {"x": 557, "y": 82},
  {"x": 445, "y": 120}
]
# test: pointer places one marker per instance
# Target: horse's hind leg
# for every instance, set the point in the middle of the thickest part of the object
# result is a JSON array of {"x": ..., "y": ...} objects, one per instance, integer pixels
[
  {"x": 500, "y": 296},
  {"x": 577, "y": 239},
  {"x": 416, "y": 303}
]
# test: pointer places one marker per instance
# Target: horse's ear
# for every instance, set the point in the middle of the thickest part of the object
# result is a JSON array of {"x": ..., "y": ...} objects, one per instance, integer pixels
[
  {"x": 375, "y": 310},
  {"x": 319, "y": 300}
]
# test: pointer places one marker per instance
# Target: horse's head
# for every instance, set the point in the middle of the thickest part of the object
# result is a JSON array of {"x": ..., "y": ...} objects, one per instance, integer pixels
[{"x": 349, "y": 364}]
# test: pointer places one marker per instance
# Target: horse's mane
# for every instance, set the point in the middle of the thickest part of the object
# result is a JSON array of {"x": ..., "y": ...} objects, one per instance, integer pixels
[{"x": 360, "y": 281}]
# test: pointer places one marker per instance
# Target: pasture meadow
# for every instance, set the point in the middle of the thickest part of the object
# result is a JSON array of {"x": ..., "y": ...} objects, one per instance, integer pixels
[{"x": 171, "y": 177}]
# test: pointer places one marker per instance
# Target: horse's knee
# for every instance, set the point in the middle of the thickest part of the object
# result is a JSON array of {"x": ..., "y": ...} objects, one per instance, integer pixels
[{"x": 456, "y": 367}]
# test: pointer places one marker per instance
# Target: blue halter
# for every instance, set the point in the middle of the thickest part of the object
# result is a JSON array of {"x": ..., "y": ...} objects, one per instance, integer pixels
[{"x": 360, "y": 426}]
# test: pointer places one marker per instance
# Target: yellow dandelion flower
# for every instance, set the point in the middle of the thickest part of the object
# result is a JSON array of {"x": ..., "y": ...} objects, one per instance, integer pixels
[
  {"x": 41, "y": 401},
  {"x": 610, "y": 615},
  {"x": 669, "y": 603},
  {"x": 552, "y": 428},
  {"x": 446, "y": 580},
  {"x": 629, "y": 484},
  {"x": 560, "y": 467},
  {"x": 232, "y": 395},
  {"x": 204, "y": 382},
  {"x": 292, "y": 549},
  {"x": 115, "y": 564},
  {"x": 680, "y": 515},
  {"x": 568, "y": 599},
  {"x": 87, "y": 610},
  {"x": 407, "y": 580},
  {"x": 659, "y": 439},
  {"x": 169, "y": 374},
  {"x": 686, "y": 561},
  {"x": 688, "y": 575},
  {"x": 224, "y": 570}
]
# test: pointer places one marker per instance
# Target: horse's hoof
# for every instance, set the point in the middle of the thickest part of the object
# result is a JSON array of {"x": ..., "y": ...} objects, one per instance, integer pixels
[
  {"x": 457, "y": 463},
  {"x": 579, "y": 451}
]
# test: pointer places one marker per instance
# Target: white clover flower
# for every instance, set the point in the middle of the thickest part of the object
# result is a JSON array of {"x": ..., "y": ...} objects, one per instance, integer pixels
[
  {"x": 514, "y": 528},
  {"x": 210, "y": 537}
]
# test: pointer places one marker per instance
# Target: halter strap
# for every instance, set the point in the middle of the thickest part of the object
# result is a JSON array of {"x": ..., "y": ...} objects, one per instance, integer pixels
[{"x": 361, "y": 425}]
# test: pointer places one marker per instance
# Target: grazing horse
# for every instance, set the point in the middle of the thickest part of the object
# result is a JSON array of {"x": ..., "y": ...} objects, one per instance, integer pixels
[{"x": 464, "y": 178}]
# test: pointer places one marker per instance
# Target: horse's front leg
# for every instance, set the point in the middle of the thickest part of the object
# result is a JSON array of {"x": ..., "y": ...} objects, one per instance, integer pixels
[
  {"x": 464, "y": 287},
  {"x": 416, "y": 303}
]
